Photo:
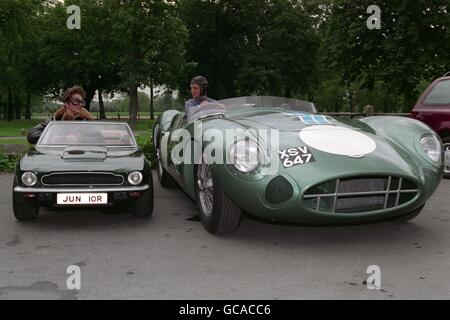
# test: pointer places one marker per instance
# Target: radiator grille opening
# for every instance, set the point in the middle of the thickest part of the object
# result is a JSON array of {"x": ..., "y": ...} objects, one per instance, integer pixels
[
  {"x": 82, "y": 179},
  {"x": 360, "y": 194}
]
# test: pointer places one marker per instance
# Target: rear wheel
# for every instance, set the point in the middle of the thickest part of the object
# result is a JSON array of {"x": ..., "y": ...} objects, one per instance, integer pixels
[
  {"x": 23, "y": 209},
  {"x": 446, "y": 142},
  {"x": 143, "y": 206},
  {"x": 411, "y": 215},
  {"x": 218, "y": 213}
]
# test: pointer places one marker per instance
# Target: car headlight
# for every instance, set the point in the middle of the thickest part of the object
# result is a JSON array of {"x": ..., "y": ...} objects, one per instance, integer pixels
[
  {"x": 244, "y": 156},
  {"x": 29, "y": 179},
  {"x": 432, "y": 146},
  {"x": 135, "y": 178}
]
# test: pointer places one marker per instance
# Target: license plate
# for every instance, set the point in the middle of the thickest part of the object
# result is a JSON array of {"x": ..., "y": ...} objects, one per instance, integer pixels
[{"x": 81, "y": 198}]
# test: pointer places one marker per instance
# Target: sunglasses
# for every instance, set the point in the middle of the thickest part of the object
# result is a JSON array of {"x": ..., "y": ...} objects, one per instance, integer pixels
[{"x": 77, "y": 102}]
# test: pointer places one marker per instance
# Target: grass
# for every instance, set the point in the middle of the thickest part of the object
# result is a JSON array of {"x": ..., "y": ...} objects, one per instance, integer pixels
[
  {"x": 14, "y": 128},
  {"x": 14, "y": 141},
  {"x": 112, "y": 115}
]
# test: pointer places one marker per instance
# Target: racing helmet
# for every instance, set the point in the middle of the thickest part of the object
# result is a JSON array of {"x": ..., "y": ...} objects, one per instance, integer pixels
[{"x": 202, "y": 82}]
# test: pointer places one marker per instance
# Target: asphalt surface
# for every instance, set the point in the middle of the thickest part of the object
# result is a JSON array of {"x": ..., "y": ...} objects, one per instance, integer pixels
[{"x": 170, "y": 257}]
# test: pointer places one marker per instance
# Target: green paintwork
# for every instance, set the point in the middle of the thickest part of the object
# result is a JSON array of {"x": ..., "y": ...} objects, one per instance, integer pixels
[{"x": 397, "y": 154}]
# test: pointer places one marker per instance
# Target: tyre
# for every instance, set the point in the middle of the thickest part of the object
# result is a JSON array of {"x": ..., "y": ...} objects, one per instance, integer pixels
[
  {"x": 143, "y": 206},
  {"x": 165, "y": 179},
  {"x": 155, "y": 136},
  {"x": 446, "y": 143},
  {"x": 411, "y": 215},
  {"x": 23, "y": 209},
  {"x": 218, "y": 213}
]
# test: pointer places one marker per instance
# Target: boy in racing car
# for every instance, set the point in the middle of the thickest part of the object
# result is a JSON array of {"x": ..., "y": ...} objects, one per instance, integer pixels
[{"x": 199, "y": 91}]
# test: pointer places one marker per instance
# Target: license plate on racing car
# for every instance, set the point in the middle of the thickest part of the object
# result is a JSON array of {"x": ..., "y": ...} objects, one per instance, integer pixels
[{"x": 81, "y": 198}]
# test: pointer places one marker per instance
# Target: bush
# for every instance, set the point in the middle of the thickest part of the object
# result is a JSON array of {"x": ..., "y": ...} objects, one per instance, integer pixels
[
  {"x": 8, "y": 162},
  {"x": 148, "y": 149}
]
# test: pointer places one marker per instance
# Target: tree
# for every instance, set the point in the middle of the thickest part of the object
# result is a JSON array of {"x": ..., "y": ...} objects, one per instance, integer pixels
[
  {"x": 412, "y": 44},
  {"x": 150, "y": 48},
  {"x": 18, "y": 29},
  {"x": 79, "y": 56},
  {"x": 251, "y": 47}
]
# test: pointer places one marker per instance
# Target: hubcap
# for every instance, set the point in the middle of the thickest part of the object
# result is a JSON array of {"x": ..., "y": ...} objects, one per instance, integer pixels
[
  {"x": 447, "y": 158},
  {"x": 205, "y": 188}
]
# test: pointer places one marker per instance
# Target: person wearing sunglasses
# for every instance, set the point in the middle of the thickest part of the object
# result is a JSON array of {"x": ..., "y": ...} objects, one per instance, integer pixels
[{"x": 73, "y": 109}]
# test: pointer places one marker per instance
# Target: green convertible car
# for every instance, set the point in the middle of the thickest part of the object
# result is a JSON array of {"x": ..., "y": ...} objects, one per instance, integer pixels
[
  {"x": 277, "y": 160},
  {"x": 83, "y": 164}
]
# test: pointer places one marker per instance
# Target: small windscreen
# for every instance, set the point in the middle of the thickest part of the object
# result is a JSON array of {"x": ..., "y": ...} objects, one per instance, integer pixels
[{"x": 87, "y": 133}]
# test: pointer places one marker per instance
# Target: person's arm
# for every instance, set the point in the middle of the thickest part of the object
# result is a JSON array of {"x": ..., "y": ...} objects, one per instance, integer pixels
[
  {"x": 188, "y": 105},
  {"x": 36, "y": 132}
]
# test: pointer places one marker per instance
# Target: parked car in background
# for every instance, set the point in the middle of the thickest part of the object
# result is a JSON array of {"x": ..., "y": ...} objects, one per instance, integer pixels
[
  {"x": 86, "y": 164},
  {"x": 433, "y": 108}
]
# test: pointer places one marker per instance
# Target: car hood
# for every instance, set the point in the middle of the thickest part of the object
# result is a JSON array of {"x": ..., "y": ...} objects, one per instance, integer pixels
[
  {"x": 82, "y": 159},
  {"x": 291, "y": 120},
  {"x": 339, "y": 147}
]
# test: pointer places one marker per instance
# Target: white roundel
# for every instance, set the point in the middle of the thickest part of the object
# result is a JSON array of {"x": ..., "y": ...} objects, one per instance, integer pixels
[{"x": 338, "y": 140}]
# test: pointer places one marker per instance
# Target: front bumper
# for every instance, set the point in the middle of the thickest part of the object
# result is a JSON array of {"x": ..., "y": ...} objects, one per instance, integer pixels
[
  {"x": 117, "y": 196},
  {"x": 252, "y": 198}
]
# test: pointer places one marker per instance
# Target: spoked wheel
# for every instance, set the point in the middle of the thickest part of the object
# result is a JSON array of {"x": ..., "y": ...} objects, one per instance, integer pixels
[
  {"x": 218, "y": 213},
  {"x": 446, "y": 142},
  {"x": 205, "y": 189}
]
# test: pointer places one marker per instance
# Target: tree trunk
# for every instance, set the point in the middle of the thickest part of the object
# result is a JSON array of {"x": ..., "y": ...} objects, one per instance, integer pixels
[
  {"x": 409, "y": 101},
  {"x": 28, "y": 107},
  {"x": 134, "y": 106},
  {"x": 101, "y": 105},
  {"x": 17, "y": 106},
  {"x": 3, "y": 107},
  {"x": 90, "y": 93},
  {"x": 17, "y": 110},
  {"x": 152, "y": 103},
  {"x": 10, "y": 108}
]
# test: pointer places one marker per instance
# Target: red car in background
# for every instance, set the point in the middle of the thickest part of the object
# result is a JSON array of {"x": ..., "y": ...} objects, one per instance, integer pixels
[{"x": 433, "y": 108}]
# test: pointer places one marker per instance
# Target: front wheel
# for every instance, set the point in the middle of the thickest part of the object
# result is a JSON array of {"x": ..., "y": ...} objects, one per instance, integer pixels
[
  {"x": 218, "y": 213},
  {"x": 446, "y": 143},
  {"x": 143, "y": 206},
  {"x": 23, "y": 209}
]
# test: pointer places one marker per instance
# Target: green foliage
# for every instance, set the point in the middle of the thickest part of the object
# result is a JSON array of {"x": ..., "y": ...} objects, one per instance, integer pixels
[
  {"x": 319, "y": 50},
  {"x": 412, "y": 45},
  {"x": 251, "y": 47},
  {"x": 8, "y": 162},
  {"x": 148, "y": 149}
]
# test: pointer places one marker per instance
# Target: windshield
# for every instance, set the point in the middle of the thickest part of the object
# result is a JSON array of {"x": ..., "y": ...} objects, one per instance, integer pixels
[
  {"x": 440, "y": 94},
  {"x": 64, "y": 133},
  {"x": 249, "y": 103},
  {"x": 268, "y": 102}
]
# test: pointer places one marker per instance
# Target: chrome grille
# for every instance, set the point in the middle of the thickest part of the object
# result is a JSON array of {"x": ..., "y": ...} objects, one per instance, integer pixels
[
  {"x": 82, "y": 179},
  {"x": 360, "y": 194}
]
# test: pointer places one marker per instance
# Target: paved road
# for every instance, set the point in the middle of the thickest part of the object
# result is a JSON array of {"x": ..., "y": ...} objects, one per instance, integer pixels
[{"x": 170, "y": 257}]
